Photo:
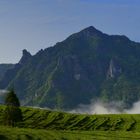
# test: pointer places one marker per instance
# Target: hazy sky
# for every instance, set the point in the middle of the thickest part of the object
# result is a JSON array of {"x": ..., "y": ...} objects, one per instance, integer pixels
[{"x": 36, "y": 24}]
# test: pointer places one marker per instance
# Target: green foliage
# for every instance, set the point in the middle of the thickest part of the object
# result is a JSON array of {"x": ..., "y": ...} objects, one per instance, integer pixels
[
  {"x": 120, "y": 89},
  {"x": 52, "y": 125},
  {"x": 53, "y": 120},
  {"x": 11, "y": 99},
  {"x": 42, "y": 134},
  {"x": 12, "y": 113}
]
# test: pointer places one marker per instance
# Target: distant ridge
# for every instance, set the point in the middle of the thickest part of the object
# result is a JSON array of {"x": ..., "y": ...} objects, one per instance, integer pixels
[
  {"x": 87, "y": 65},
  {"x": 4, "y": 68}
]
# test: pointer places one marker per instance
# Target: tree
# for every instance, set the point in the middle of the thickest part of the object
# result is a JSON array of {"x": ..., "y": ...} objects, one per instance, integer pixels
[
  {"x": 12, "y": 112},
  {"x": 11, "y": 99}
]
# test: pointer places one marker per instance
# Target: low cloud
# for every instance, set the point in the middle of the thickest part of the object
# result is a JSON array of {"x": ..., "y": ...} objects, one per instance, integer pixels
[
  {"x": 135, "y": 108},
  {"x": 106, "y": 108},
  {"x": 2, "y": 91},
  {"x": 2, "y": 95}
]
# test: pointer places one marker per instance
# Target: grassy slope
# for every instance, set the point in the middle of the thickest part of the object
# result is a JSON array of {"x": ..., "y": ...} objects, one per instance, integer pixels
[
  {"x": 33, "y": 134},
  {"x": 46, "y": 124},
  {"x": 44, "y": 119}
]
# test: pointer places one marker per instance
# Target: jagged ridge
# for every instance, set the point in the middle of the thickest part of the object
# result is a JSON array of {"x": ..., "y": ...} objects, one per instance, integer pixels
[{"x": 87, "y": 65}]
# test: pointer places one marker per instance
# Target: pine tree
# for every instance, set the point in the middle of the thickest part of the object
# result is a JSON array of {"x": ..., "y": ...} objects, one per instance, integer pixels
[{"x": 12, "y": 112}]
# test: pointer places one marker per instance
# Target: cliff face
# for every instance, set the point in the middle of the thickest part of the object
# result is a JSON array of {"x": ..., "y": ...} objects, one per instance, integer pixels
[
  {"x": 114, "y": 69},
  {"x": 87, "y": 65}
]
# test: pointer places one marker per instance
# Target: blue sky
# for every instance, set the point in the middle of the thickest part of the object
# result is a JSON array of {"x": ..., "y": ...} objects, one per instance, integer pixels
[{"x": 36, "y": 24}]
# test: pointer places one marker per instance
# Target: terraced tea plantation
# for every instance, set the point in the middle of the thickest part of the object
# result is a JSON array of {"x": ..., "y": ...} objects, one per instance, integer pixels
[
  {"x": 33, "y": 134},
  {"x": 41, "y": 124},
  {"x": 52, "y": 120}
]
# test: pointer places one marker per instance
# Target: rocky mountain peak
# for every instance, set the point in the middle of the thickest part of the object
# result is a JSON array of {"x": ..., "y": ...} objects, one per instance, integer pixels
[
  {"x": 25, "y": 57},
  {"x": 26, "y": 53},
  {"x": 91, "y": 31},
  {"x": 87, "y": 33}
]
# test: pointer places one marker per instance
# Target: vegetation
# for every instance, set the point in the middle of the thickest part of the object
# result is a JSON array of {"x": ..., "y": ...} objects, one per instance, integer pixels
[
  {"x": 12, "y": 113},
  {"x": 42, "y": 124},
  {"x": 87, "y": 65},
  {"x": 53, "y": 120},
  {"x": 34, "y": 134},
  {"x": 4, "y": 68}
]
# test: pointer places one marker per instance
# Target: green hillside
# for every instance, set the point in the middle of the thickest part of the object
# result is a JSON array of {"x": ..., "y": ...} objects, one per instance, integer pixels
[
  {"x": 41, "y": 124},
  {"x": 33, "y": 134},
  {"x": 53, "y": 120}
]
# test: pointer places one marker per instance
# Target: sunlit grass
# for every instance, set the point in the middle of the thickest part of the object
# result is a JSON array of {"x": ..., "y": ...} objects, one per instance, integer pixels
[{"x": 39, "y": 124}]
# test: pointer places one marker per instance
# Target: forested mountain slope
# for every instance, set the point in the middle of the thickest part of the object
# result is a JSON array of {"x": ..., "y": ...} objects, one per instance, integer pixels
[{"x": 87, "y": 65}]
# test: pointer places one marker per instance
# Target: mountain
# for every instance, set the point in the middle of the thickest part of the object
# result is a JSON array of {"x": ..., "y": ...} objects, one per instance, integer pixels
[
  {"x": 87, "y": 65},
  {"x": 4, "y": 68}
]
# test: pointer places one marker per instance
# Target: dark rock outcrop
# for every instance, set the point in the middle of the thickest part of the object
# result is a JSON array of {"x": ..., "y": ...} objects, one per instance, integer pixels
[{"x": 25, "y": 57}]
